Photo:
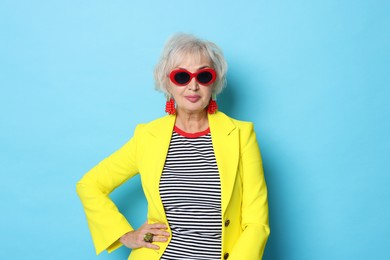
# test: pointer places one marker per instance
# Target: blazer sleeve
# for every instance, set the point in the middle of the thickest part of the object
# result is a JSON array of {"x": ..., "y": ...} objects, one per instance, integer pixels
[
  {"x": 251, "y": 244},
  {"x": 105, "y": 222}
]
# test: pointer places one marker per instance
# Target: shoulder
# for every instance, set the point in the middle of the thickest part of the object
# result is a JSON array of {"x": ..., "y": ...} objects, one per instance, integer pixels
[
  {"x": 154, "y": 122},
  {"x": 223, "y": 125},
  {"x": 156, "y": 126},
  {"x": 225, "y": 120}
]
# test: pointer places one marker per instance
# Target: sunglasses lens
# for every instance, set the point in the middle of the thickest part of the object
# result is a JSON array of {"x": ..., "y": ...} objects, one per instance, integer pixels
[
  {"x": 182, "y": 77},
  {"x": 205, "y": 77}
]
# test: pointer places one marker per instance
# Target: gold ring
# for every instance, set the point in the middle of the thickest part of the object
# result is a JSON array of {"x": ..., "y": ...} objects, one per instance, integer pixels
[{"x": 148, "y": 238}]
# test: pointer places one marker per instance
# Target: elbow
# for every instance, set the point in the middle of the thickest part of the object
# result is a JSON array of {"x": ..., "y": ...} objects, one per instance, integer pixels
[
  {"x": 80, "y": 187},
  {"x": 267, "y": 231}
]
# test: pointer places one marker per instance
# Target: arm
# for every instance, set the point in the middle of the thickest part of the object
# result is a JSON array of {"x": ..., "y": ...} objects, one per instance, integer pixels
[
  {"x": 251, "y": 244},
  {"x": 105, "y": 221}
]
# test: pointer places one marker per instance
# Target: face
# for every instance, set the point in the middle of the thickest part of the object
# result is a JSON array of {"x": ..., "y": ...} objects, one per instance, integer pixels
[{"x": 193, "y": 97}]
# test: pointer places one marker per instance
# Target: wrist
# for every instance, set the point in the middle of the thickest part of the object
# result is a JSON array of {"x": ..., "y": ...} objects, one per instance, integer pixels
[{"x": 122, "y": 239}]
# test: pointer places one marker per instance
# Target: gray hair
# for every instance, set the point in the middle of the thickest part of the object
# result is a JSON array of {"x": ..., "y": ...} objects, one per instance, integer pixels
[{"x": 176, "y": 49}]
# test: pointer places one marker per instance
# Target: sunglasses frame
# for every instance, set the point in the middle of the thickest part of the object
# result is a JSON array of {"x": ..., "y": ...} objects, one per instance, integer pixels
[{"x": 192, "y": 75}]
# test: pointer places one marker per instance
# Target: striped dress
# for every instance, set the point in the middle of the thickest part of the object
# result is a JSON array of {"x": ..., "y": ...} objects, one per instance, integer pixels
[{"x": 190, "y": 190}]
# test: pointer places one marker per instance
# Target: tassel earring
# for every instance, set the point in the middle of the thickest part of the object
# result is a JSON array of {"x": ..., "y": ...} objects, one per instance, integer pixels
[
  {"x": 170, "y": 106},
  {"x": 213, "y": 106}
]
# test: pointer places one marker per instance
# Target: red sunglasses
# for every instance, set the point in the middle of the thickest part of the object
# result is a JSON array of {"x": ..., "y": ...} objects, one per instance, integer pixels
[{"x": 182, "y": 77}]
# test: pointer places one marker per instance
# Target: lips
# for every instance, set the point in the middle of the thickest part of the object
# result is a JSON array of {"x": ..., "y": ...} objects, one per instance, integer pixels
[{"x": 193, "y": 98}]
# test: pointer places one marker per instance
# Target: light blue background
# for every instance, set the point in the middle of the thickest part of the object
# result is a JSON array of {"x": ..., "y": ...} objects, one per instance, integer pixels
[{"x": 76, "y": 78}]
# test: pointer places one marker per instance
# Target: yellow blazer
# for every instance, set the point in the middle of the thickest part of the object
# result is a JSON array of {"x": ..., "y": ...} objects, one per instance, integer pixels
[{"x": 245, "y": 226}]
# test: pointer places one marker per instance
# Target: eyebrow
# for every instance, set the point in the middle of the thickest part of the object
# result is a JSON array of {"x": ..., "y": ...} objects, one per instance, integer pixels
[{"x": 203, "y": 67}]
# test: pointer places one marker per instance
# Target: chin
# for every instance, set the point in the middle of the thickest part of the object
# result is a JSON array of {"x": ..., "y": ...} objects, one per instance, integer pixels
[{"x": 192, "y": 110}]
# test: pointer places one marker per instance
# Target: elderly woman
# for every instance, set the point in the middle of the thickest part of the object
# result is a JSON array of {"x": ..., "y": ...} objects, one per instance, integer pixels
[{"x": 201, "y": 171}]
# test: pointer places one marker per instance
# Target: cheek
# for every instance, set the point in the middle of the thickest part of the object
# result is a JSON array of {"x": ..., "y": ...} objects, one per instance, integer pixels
[
  {"x": 174, "y": 91},
  {"x": 208, "y": 91},
  {"x": 170, "y": 88}
]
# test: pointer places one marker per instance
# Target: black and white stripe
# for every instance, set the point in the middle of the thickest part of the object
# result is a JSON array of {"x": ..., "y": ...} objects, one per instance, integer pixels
[{"x": 190, "y": 190}]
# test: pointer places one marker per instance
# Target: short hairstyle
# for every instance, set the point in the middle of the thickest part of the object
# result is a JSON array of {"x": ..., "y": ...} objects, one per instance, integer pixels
[{"x": 175, "y": 51}]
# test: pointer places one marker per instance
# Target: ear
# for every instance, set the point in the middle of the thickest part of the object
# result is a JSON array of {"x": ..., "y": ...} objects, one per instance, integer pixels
[
  {"x": 168, "y": 88},
  {"x": 168, "y": 95}
]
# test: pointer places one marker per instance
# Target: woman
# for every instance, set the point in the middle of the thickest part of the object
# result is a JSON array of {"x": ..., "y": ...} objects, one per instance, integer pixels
[{"x": 201, "y": 171}]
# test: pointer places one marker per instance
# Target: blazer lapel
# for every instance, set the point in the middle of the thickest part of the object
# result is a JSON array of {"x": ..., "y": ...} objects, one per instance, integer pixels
[
  {"x": 225, "y": 138},
  {"x": 160, "y": 133}
]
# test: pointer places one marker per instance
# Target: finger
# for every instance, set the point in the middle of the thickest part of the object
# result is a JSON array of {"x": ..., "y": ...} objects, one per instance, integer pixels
[
  {"x": 157, "y": 226},
  {"x": 150, "y": 245},
  {"x": 160, "y": 239},
  {"x": 160, "y": 232}
]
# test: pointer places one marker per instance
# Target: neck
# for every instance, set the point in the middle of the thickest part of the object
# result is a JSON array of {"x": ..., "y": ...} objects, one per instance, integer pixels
[{"x": 192, "y": 122}]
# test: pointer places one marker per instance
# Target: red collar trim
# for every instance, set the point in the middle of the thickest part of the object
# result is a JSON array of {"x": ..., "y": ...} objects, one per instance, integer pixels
[{"x": 191, "y": 135}]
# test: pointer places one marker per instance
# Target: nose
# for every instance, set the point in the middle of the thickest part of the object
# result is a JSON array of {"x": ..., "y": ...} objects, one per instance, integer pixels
[{"x": 193, "y": 84}]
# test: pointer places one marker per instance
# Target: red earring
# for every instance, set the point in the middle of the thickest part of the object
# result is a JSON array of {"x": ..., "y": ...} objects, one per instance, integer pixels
[
  {"x": 170, "y": 107},
  {"x": 213, "y": 107}
]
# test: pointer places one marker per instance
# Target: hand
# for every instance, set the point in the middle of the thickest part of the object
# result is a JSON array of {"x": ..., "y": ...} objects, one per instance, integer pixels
[{"x": 135, "y": 239}]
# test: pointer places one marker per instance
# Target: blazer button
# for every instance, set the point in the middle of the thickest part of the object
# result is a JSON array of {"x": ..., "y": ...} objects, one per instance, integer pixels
[
  {"x": 227, "y": 223},
  {"x": 226, "y": 256}
]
